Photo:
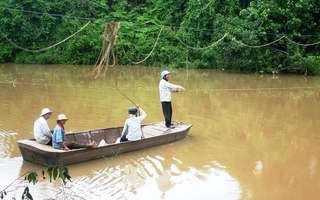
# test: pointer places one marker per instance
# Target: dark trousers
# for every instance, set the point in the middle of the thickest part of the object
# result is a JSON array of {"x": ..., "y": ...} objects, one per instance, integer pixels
[
  {"x": 124, "y": 138},
  {"x": 75, "y": 145},
  {"x": 50, "y": 142},
  {"x": 167, "y": 112}
]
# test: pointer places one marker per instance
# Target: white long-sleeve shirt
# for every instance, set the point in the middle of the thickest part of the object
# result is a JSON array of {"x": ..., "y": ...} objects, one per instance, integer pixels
[
  {"x": 133, "y": 126},
  {"x": 41, "y": 131},
  {"x": 165, "y": 89}
]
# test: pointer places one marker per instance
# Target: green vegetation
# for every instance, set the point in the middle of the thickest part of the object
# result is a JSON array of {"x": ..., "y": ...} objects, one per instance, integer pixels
[
  {"x": 31, "y": 177},
  {"x": 247, "y": 35}
]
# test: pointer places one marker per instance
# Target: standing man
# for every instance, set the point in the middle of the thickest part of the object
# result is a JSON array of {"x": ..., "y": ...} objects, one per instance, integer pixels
[
  {"x": 41, "y": 130},
  {"x": 165, "y": 89}
]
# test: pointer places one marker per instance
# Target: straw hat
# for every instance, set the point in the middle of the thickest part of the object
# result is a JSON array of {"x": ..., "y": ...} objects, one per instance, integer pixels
[
  {"x": 62, "y": 117},
  {"x": 46, "y": 111}
]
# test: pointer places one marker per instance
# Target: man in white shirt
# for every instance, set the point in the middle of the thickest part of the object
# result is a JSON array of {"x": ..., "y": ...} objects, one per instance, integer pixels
[
  {"x": 132, "y": 126},
  {"x": 165, "y": 89},
  {"x": 41, "y": 130}
]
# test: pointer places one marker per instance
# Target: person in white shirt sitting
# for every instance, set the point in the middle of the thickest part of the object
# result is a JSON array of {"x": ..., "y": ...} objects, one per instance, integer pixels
[
  {"x": 132, "y": 126},
  {"x": 41, "y": 129}
]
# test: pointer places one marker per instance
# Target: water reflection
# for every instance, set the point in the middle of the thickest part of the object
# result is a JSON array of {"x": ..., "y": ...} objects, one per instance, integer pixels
[
  {"x": 144, "y": 177},
  {"x": 313, "y": 166},
  {"x": 7, "y": 141},
  {"x": 258, "y": 168},
  {"x": 253, "y": 137}
]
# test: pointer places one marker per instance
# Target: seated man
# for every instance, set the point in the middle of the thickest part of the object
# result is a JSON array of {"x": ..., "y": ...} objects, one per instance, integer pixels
[
  {"x": 41, "y": 130},
  {"x": 59, "y": 137},
  {"x": 132, "y": 127}
]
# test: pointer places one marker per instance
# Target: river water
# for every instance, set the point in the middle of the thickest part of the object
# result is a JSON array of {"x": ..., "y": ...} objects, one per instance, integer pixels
[{"x": 253, "y": 136}]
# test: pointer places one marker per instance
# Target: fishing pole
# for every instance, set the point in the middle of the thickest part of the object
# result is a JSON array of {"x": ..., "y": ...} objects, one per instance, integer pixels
[
  {"x": 123, "y": 93},
  {"x": 129, "y": 100}
]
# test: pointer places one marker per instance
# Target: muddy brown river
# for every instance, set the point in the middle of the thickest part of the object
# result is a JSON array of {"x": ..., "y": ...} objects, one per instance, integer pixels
[{"x": 253, "y": 136}]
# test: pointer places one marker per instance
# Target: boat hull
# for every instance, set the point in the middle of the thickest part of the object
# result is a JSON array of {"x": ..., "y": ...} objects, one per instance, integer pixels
[{"x": 155, "y": 134}]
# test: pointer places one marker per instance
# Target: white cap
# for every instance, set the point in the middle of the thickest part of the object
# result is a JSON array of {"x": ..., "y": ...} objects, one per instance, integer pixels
[{"x": 46, "y": 111}]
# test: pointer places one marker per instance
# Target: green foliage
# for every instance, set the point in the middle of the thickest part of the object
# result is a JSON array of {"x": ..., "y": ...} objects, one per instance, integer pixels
[
  {"x": 312, "y": 65},
  {"x": 58, "y": 172},
  {"x": 253, "y": 26},
  {"x": 31, "y": 177},
  {"x": 26, "y": 194},
  {"x": 278, "y": 19}
]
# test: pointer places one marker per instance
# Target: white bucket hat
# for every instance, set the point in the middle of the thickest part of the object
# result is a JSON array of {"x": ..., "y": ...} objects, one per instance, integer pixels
[
  {"x": 45, "y": 111},
  {"x": 62, "y": 117}
]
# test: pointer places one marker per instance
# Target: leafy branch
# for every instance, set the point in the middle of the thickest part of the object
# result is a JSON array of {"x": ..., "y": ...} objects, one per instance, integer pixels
[{"x": 31, "y": 177}]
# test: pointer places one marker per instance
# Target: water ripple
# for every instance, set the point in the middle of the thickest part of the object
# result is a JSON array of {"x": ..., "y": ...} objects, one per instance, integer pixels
[{"x": 147, "y": 178}]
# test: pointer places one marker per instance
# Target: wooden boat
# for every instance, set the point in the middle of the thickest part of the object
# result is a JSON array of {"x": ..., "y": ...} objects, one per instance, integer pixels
[{"x": 154, "y": 134}]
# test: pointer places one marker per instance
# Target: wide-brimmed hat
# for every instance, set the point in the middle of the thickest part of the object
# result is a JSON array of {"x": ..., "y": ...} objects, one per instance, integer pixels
[
  {"x": 62, "y": 117},
  {"x": 45, "y": 111}
]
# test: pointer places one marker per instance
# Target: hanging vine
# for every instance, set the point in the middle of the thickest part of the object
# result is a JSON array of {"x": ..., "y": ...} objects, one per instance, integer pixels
[{"x": 110, "y": 36}]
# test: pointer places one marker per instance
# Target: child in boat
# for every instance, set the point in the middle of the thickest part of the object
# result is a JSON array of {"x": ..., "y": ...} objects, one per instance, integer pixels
[
  {"x": 59, "y": 137},
  {"x": 132, "y": 126}
]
